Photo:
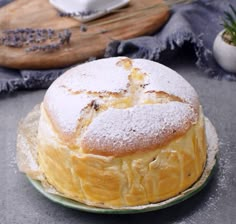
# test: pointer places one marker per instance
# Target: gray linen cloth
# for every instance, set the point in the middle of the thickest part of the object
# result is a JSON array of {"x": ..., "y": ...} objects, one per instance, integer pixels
[{"x": 196, "y": 23}]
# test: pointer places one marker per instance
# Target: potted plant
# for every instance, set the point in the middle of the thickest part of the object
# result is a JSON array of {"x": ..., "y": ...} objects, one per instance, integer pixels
[{"x": 224, "y": 47}]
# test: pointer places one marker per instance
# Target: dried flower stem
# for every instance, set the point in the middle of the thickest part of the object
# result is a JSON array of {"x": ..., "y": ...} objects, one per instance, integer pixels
[
  {"x": 88, "y": 13},
  {"x": 35, "y": 39},
  {"x": 158, "y": 7},
  {"x": 140, "y": 11}
]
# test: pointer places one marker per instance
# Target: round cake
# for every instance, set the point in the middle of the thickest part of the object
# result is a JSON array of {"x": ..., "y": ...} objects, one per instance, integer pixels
[{"x": 121, "y": 132}]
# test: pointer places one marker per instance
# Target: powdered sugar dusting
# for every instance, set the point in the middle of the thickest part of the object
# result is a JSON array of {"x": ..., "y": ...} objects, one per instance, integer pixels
[
  {"x": 70, "y": 94},
  {"x": 164, "y": 79},
  {"x": 140, "y": 127},
  {"x": 97, "y": 76},
  {"x": 65, "y": 108}
]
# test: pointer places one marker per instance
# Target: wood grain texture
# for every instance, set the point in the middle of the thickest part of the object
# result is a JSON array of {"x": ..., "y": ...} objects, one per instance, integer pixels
[{"x": 131, "y": 22}]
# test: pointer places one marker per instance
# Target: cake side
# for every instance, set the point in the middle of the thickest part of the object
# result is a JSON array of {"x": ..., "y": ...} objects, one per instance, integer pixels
[{"x": 114, "y": 181}]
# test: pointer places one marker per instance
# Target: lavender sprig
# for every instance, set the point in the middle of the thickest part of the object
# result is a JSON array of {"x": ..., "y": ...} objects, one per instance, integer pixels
[
  {"x": 36, "y": 39},
  {"x": 64, "y": 36},
  {"x": 48, "y": 47},
  {"x": 83, "y": 28}
]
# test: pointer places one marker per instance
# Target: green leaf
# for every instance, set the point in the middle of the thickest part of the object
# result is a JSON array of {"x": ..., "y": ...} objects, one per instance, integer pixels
[
  {"x": 228, "y": 27},
  {"x": 233, "y": 9},
  {"x": 229, "y": 23},
  {"x": 230, "y": 18}
]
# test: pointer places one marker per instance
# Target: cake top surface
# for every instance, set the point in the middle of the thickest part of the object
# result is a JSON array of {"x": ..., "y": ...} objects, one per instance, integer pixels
[
  {"x": 118, "y": 105},
  {"x": 97, "y": 76},
  {"x": 132, "y": 129}
]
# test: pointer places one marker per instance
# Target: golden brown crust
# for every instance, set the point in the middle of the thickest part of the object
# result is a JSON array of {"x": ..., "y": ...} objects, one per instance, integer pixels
[{"x": 135, "y": 179}]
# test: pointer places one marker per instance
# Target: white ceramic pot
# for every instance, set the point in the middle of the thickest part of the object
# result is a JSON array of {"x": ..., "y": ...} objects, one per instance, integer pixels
[{"x": 224, "y": 53}]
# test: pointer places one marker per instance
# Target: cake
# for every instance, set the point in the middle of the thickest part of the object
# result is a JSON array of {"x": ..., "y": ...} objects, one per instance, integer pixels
[{"x": 121, "y": 132}]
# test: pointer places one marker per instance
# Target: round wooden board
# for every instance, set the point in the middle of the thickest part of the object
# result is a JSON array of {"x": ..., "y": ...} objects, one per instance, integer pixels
[{"x": 130, "y": 22}]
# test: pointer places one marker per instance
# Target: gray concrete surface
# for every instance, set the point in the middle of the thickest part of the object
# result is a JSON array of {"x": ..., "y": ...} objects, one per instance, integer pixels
[{"x": 21, "y": 204}]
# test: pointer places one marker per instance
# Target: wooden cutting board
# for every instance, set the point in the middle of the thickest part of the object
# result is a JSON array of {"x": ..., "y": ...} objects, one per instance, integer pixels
[{"x": 139, "y": 18}]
